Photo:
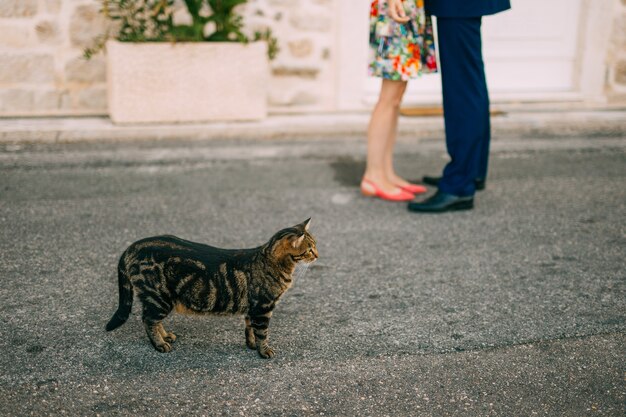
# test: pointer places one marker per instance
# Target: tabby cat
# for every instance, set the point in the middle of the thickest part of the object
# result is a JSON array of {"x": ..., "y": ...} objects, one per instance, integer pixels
[{"x": 168, "y": 273}]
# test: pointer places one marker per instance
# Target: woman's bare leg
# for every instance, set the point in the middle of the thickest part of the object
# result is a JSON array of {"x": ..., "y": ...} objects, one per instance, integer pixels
[
  {"x": 390, "y": 172},
  {"x": 381, "y": 134}
]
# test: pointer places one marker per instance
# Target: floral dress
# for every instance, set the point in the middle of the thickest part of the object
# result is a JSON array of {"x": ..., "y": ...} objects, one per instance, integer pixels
[{"x": 401, "y": 51}]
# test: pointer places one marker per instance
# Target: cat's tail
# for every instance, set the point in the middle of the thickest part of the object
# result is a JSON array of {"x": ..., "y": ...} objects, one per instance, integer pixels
[{"x": 126, "y": 298}]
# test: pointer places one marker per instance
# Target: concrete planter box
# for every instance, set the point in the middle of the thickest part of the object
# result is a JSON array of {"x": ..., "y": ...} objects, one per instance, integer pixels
[{"x": 186, "y": 82}]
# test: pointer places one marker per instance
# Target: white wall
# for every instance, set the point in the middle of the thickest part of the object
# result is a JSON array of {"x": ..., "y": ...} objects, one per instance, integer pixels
[{"x": 553, "y": 55}]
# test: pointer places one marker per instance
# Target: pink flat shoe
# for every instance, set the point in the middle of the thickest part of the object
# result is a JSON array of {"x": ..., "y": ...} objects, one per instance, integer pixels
[
  {"x": 400, "y": 195},
  {"x": 414, "y": 188}
]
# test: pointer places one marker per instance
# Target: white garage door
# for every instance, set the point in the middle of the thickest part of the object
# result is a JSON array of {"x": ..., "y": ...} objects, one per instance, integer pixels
[{"x": 530, "y": 53}]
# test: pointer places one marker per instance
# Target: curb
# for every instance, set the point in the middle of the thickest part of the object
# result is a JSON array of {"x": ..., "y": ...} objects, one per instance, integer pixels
[{"x": 544, "y": 124}]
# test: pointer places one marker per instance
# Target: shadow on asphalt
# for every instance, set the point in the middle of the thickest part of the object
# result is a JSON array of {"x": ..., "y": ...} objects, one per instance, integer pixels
[{"x": 348, "y": 171}]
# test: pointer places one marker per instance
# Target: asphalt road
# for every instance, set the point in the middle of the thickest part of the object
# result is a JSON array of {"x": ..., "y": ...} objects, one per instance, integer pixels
[{"x": 516, "y": 308}]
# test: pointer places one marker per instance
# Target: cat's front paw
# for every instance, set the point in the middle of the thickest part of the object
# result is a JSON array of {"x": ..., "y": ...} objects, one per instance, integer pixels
[
  {"x": 163, "y": 348},
  {"x": 170, "y": 337},
  {"x": 266, "y": 352}
]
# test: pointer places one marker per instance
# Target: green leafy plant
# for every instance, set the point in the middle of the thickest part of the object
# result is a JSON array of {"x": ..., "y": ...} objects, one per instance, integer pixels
[{"x": 152, "y": 21}]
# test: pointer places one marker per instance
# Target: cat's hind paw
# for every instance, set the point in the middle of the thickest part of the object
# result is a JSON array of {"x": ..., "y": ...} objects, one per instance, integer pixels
[
  {"x": 251, "y": 342},
  {"x": 266, "y": 353},
  {"x": 163, "y": 348},
  {"x": 170, "y": 337}
]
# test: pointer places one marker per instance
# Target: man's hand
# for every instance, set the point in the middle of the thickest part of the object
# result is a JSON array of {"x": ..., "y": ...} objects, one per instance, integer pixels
[{"x": 396, "y": 11}]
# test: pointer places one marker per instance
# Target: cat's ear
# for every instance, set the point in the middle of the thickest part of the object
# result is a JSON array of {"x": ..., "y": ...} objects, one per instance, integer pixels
[
  {"x": 296, "y": 242},
  {"x": 306, "y": 224}
]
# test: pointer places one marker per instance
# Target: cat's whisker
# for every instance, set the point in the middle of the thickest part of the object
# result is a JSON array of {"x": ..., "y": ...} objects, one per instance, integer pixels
[{"x": 301, "y": 269}]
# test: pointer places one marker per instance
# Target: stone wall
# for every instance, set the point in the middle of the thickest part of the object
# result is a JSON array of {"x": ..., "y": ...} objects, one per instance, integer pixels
[
  {"x": 616, "y": 60},
  {"x": 42, "y": 71},
  {"x": 41, "y": 68},
  {"x": 302, "y": 74}
]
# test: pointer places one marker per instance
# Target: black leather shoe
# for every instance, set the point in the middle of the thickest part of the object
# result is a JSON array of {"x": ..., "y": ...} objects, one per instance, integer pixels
[
  {"x": 441, "y": 202},
  {"x": 479, "y": 183}
]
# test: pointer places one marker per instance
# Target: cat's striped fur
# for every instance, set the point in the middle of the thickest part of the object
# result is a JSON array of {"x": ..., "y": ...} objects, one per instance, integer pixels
[{"x": 168, "y": 273}]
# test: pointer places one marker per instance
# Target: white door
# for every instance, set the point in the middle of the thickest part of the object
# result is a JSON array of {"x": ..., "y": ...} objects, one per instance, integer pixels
[{"x": 530, "y": 53}]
